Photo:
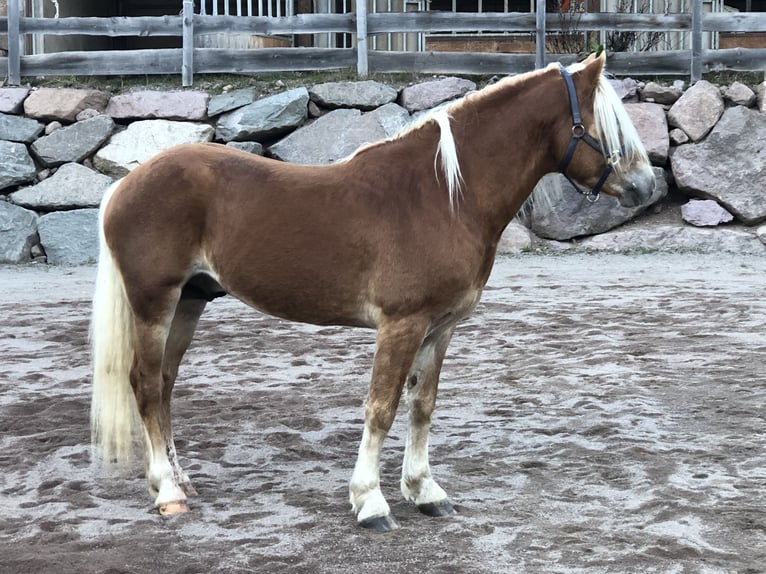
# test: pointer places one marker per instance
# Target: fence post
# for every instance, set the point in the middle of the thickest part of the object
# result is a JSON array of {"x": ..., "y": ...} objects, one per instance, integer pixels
[
  {"x": 14, "y": 43},
  {"x": 362, "y": 65},
  {"x": 187, "y": 65},
  {"x": 696, "y": 63},
  {"x": 540, "y": 37}
]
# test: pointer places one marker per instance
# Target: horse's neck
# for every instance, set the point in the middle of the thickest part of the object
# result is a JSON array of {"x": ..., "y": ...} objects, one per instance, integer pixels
[{"x": 504, "y": 147}]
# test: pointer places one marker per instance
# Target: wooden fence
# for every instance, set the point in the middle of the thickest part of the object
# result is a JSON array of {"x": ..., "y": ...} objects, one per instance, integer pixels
[{"x": 189, "y": 60}]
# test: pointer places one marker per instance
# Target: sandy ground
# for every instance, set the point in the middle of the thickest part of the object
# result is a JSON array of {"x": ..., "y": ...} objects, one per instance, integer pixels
[{"x": 597, "y": 414}]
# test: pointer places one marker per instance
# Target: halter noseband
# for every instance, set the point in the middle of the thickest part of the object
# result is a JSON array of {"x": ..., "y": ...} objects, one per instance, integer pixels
[{"x": 579, "y": 134}]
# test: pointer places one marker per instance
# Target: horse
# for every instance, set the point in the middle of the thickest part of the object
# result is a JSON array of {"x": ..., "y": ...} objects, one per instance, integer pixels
[{"x": 400, "y": 237}]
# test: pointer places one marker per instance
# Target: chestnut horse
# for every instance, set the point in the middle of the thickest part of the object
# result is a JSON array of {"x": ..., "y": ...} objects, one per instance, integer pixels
[{"x": 400, "y": 237}]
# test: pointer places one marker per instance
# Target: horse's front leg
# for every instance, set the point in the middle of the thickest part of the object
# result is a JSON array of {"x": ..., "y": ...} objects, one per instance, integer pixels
[
  {"x": 418, "y": 485},
  {"x": 396, "y": 346}
]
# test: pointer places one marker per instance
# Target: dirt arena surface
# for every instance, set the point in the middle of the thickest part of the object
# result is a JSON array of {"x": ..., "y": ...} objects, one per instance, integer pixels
[{"x": 597, "y": 414}]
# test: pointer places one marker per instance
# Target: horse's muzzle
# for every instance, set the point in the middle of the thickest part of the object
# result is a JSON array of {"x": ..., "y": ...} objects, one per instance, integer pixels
[{"x": 638, "y": 187}]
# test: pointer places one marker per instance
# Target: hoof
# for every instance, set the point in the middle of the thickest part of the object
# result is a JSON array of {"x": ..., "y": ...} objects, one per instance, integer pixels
[
  {"x": 380, "y": 523},
  {"x": 436, "y": 509},
  {"x": 173, "y": 507}
]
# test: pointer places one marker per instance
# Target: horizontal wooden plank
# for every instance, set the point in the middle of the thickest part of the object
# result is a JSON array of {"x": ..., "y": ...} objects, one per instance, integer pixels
[
  {"x": 735, "y": 22},
  {"x": 298, "y": 24},
  {"x": 168, "y": 61},
  {"x": 122, "y": 62},
  {"x": 740, "y": 59},
  {"x": 454, "y": 62},
  {"x": 381, "y": 23},
  {"x": 210, "y": 61},
  {"x": 119, "y": 26}
]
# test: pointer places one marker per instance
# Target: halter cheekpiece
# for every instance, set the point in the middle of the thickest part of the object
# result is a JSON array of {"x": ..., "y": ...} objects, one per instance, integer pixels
[{"x": 580, "y": 134}]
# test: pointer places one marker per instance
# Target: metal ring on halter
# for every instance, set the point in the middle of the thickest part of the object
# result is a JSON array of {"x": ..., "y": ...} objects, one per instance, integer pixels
[{"x": 578, "y": 131}]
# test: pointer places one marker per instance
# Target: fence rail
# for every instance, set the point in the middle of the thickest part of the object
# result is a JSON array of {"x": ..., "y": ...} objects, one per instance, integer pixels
[{"x": 189, "y": 60}]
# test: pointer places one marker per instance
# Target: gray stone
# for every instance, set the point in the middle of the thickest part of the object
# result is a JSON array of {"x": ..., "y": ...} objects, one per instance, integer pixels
[
  {"x": 142, "y": 140},
  {"x": 729, "y": 166},
  {"x": 17, "y": 166},
  {"x": 230, "y": 101},
  {"x": 364, "y": 95},
  {"x": 70, "y": 237},
  {"x": 12, "y": 100},
  {"x": 515, "y": 239},
  {"x": 338, "y": 134},
  {"x": 558, "y": 211},
  {"x": 73, "y": 143},
  {"x": 652, "y": 126},
  {"x": 626, "y": 89},
  {"x": 19, "y": 129},
  {"x": 760, "y": 96},
  {"x": 430, "y": 94},
  {"x": 249, "y": 147},
  {"x": 62, "y": 104},
  {"x": 704, "y": 213},
  {"x": 678, "y": 137},
  {"x": 665, "y": 238},
  {"x": 73, "y": 186},
  {"x": 659, "y": 94},
  {"x": 697, "y": 111},
  {"x": 761, "y": 233},
  {"x": 740, "y": 95},
  {"x": 18, "y": 233},
  {"x": 151, "y": 104},
  {"x": 265, "y": 118}
]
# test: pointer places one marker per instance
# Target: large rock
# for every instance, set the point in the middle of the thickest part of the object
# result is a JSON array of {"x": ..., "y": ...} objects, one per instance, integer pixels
[
  {"x": 17, "y": 165},
  {"x": 73, "y": 143},
  {"x": 704, "y": 213},
  {"x": 697, "y": 111},
  {"x": 151, "y": 104},
  {"x": 12, "y": 100},
  {"x": 142, "y": 140},
  {"x": 19, "y": 129},
  {"x": 427, "y": 95},
  {"x": 558, "y": 211},
  {"x": 760, "y": 95},
  {"x": 668, "y": 95},
  {"x": 73, "y": 186},
  {"x": 729, "y": 166},
  {"x": 338, "y": 134},
  {"x": 739, "y": 94},
  {"x": 265, "y": 118},
  {"x": 364, "y": 95},
  {"x": 18, "y": 233},
  {"x": 63, "y": 104},
  {"x": 222, "y": 103},
  {"x": 652, "y": 127},
  {"x": 70, "y": 237},
  {"x": 674, "y": 238},
  {"x": 515, "y": 239}
]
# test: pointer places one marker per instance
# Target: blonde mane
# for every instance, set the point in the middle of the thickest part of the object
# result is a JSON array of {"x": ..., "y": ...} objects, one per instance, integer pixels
[{"x": 614, "y": 130}]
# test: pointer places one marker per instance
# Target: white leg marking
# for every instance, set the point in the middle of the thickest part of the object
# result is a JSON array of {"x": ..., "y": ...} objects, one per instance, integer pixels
[
  {"x": 366, "y": 498},
  {"x": 161, "y": 476},
  {"x": 417, "y": 483}
]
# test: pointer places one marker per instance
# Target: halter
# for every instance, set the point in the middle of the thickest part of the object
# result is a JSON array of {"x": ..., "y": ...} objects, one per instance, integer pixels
[{"x": 579, "y": 134}]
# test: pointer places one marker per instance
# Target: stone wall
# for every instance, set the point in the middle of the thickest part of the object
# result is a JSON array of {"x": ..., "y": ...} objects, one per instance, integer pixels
[{"x": 62, "y": 148}]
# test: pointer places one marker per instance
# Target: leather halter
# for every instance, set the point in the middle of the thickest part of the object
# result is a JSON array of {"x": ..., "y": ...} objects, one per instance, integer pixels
[{"x": 579, "y": 134}]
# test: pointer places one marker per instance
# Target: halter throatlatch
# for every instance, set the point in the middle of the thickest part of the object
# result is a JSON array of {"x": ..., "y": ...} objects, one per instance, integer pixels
[{"x": 579, "y": 134}]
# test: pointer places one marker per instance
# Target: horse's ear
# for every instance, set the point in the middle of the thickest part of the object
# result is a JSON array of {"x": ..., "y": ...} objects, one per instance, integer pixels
[{"x": 594, "y": 67}]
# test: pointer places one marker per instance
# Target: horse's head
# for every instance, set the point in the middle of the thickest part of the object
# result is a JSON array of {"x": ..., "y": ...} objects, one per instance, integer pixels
[{"x": 599, "y": 148}]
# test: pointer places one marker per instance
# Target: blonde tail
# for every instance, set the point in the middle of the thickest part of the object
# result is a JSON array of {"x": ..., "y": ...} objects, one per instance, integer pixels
[{"x": 113, "y": 415}]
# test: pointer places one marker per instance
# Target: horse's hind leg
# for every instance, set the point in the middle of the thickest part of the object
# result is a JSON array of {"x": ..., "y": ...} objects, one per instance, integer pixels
[
  {"x": 418, "y": 485},
  {"x": 188, "y": 312},
  {"x": 157, "y": 327}
]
